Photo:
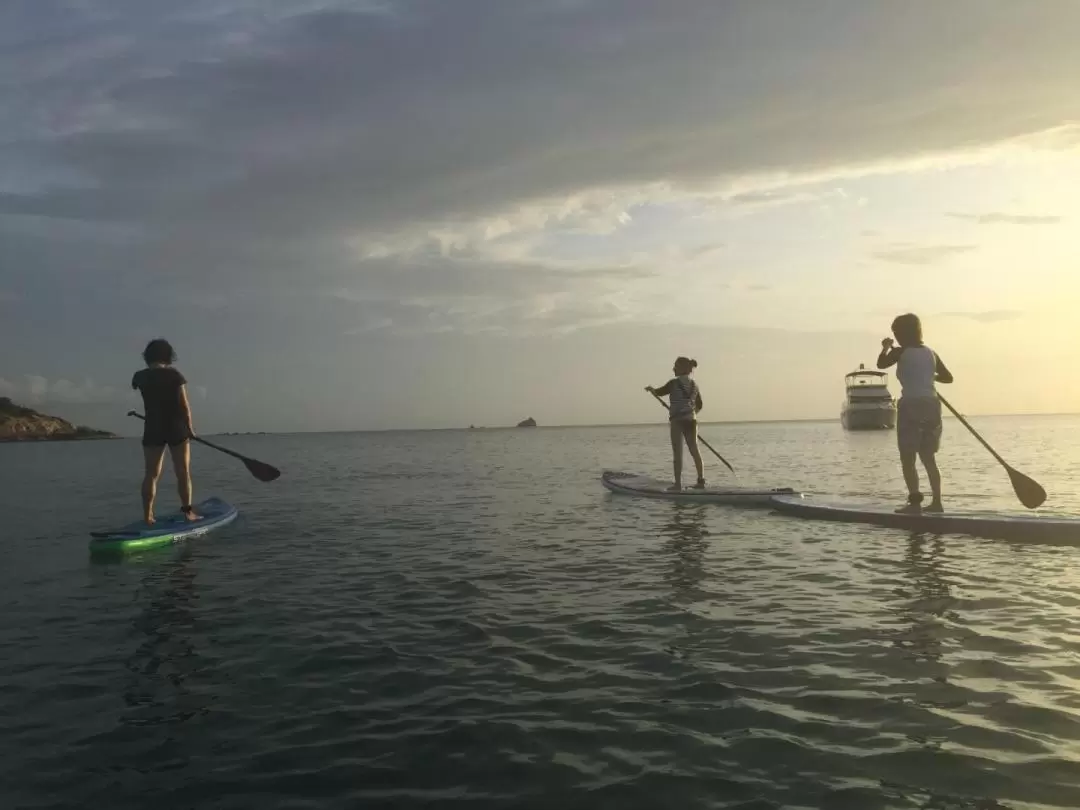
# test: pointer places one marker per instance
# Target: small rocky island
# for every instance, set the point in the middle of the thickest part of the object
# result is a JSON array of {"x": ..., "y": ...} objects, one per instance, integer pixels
[
  {"x": 530, "y": 422},
  {"x": 19, "y": 424}
]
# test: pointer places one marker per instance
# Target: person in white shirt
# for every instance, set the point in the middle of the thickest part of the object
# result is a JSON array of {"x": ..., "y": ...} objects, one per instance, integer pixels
[{"x": 918, "y": 415}]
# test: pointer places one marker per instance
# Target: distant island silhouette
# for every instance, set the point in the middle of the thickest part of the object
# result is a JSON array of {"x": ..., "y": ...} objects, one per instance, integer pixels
[
  {"x": 22, "y": 424},
  {"x": 530, "y": 422}
]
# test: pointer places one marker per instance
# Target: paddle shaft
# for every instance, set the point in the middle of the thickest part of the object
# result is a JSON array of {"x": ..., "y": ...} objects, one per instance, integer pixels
[
  {"x": 700, "y": 439},
  {"x": 974, "y": 432}
]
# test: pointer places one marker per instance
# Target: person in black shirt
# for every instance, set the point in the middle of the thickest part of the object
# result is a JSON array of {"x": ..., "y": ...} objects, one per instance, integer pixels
[{"x": 168, "y": 422}]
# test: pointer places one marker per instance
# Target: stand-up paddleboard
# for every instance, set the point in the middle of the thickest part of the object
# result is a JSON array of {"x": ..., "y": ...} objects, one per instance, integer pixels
[
  {"x": 643, "y": 486},
  {"x": 137, "y": 536},
  {"x": 1033, "y": 528}
]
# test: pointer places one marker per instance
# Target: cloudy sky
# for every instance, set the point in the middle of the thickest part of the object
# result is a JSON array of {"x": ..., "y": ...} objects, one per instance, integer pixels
[{"x": 435, "y": 213}]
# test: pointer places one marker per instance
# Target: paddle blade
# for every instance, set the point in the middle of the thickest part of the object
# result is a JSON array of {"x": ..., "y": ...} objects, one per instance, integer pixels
[
  {"x": 264, "y": 472},
  {"x": 1028, "y": 491}
]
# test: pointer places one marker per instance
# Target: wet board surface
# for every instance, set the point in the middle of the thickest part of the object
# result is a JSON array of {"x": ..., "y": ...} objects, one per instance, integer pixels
[
  {"x": 644, "y": 486},
  {"x": 1032, "y": 526},
  {"x": 169, "y": 528}
]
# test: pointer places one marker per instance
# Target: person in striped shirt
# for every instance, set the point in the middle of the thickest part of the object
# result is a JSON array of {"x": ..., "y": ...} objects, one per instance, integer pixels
[{"x": 685, "y": 404}]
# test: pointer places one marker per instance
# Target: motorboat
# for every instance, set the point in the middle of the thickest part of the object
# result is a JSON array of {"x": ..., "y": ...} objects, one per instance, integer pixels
[{"x": 868, "y": 405}]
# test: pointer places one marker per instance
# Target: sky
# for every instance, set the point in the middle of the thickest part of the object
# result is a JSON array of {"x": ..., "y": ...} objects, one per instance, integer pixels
[{"x": 428, "y": 214}]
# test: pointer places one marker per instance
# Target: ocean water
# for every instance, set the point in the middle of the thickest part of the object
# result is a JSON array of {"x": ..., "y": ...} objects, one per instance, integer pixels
[{"x": 468, "y": 619}]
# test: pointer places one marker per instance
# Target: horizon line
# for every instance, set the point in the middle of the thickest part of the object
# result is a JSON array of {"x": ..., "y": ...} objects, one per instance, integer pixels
[{"x": 477, "y": 428}]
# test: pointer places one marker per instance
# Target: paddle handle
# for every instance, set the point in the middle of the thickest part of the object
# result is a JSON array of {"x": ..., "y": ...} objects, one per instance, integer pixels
[
  {"x": 974, "y": 432},
  {"x": 700, "y": 439}
]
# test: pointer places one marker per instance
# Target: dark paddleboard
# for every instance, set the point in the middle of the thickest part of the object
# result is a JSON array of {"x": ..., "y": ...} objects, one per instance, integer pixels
[{"x": 1029, "y": 527}]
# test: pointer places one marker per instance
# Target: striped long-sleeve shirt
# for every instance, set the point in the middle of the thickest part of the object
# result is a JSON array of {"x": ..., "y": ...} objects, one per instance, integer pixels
[{"x": 685, "y": 397}]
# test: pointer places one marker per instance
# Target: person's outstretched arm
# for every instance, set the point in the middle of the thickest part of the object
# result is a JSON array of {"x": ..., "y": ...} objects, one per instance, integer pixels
[{"x": 941, "y": 374}]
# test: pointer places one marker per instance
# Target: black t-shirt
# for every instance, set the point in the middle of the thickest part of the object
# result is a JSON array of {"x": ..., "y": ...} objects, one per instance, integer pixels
[{"x": 160, "y": 389}]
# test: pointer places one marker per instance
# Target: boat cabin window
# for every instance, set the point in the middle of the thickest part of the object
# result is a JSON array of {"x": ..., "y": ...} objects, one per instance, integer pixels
[{"x": 858, "y": 380}]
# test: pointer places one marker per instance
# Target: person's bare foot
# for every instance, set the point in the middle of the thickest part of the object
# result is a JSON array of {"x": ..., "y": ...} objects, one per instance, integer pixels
[
  {"x": 190, "y": 514},
  {"x": 149, "y": 521}
]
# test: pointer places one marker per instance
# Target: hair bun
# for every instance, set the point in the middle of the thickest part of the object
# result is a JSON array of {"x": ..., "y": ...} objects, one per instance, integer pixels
[{"x": 693, "y": 364}]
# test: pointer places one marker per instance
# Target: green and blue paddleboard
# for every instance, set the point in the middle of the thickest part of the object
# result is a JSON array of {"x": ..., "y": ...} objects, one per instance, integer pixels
[{"x": 137, "y": 536}]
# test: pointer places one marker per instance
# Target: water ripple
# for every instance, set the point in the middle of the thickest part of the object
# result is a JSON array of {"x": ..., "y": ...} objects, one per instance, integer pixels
[{"x": 468, "y": 620}]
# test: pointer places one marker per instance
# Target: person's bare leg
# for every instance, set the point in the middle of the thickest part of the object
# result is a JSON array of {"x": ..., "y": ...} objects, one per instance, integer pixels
[
  {"x": 929, "y": 461},
  {"x": 181, "y": 457},
  {"x": 911, "y": 478},
  {"x": 911, "y": 472},
  {"x": 695, "y": 453},
  {"x": 152, "y": 458},
  {"x": 676, "y": 452}
]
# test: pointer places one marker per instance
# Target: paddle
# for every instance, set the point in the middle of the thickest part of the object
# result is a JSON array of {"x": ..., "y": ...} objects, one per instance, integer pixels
[
  {"x": 699, "y": 438},
  {"x": 262, "y": 471},
  {"x": 1028, "y": 491}
]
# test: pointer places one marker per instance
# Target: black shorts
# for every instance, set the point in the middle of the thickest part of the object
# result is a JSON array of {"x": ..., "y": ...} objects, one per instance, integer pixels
[{"x": 159, "y": 437}]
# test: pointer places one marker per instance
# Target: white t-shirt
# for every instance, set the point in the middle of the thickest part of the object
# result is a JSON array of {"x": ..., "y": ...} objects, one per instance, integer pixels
[{"x": 916, "y": 370}]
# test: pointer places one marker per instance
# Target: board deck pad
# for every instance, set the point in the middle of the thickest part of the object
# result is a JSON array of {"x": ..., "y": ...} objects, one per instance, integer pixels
[
  {"x": 1032, "y": 527},
  {"x": 644, "y": 486},
  {"x": 170, "y": 528}
]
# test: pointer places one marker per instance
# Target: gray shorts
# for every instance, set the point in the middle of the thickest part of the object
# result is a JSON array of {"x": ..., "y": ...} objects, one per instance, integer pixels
[{"x": 918, "y": 425}]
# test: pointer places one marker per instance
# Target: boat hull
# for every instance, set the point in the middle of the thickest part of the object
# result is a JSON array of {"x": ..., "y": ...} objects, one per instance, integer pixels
[{"x": 877, "y": 417}]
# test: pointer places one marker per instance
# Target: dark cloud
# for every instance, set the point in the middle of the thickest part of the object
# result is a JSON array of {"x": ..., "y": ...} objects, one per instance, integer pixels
[
  {"x": 337, "y": 120},
  {"x": 919, "y": 254},
  {"x": 996, "y": 218}
]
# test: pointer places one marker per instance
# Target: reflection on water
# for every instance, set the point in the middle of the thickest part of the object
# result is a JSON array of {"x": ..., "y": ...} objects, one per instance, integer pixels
[
  {"x": 538, "y": 644},
  {"x": 928, "y": 601},
  {"x": 685, "y": 541},
  {"x": 167, "y": 656},
  {"x": 925, "y": 602}
]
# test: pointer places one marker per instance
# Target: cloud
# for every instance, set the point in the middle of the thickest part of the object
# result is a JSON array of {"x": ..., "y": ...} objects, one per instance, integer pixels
[
  {"x": 987, "y": 316},
  {"x": 996, "y": 218},
  {"x": 281, "y": 147},
  {"x": 703, "y": 251},
  {"x": 920, "y": 254},
  {"x": 476, "y": 295},
  {"x": 334, "y": 119},
  {"x": 434, "y": 277},
  {"x": 36, "y": 389},
  {"x": 783, "y": 196}
]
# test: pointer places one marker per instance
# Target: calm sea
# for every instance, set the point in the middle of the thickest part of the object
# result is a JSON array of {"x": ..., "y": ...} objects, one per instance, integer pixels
[{"x": 468, "y": 619}]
